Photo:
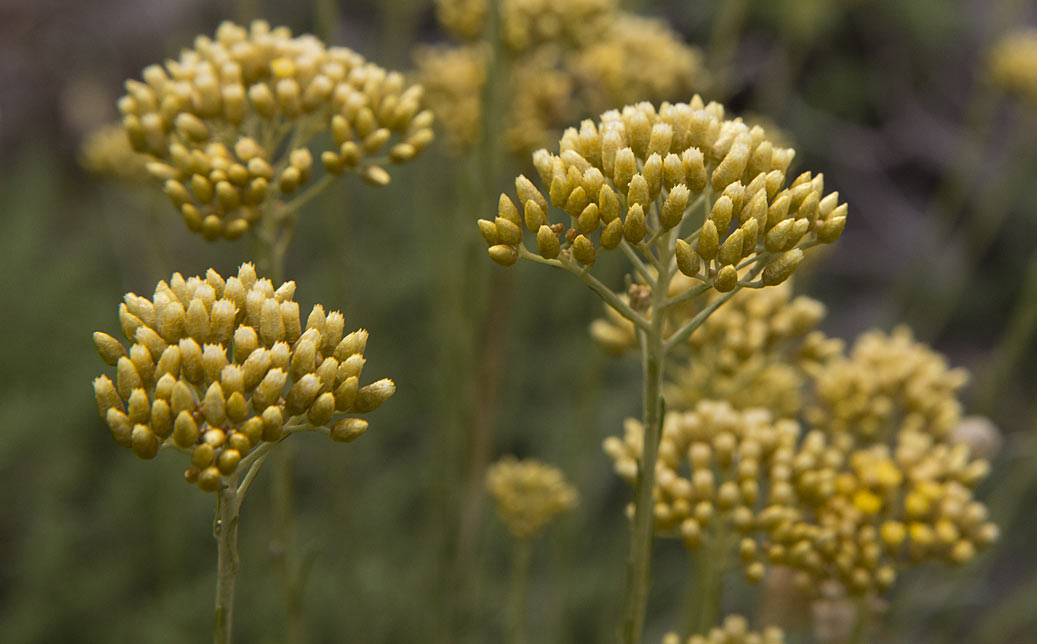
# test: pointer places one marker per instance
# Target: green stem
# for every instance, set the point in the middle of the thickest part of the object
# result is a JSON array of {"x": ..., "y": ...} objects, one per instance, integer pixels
[
  {"x": 653, "y": 358},
  {"x": 225, "y": 530},
  {"x": 724, "y": 42},
  {"x": 705, "y": 594},
  {"x": 520, "y": 560}
]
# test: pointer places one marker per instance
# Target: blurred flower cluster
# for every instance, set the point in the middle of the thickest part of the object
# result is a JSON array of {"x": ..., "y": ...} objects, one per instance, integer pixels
[
  {"x": 565, "y": 60},
  {"x": 528, "y": 494},
  {"x": 734, "y": 630}
]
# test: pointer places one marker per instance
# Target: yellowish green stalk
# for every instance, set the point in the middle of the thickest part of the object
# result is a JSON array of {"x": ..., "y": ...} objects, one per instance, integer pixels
[{"x": 225, "y": 530}]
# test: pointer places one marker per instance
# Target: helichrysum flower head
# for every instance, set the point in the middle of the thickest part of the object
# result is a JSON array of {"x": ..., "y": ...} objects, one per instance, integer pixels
[
  {"x": 633, "y": 177},
  {"x": 637, "y": 59},
  {"x": 106, "y": 152},
  {"x": 1013, "y": 64},
  {"x": 734, "y": 630},
  {"x": 217, "y": 366},
  {"x": 888, "y": 384},
  {"x": 231, "y": 122},
  {"x": 722, "y": 475},
  {"x": 528, "y": 494},
  {"x": 529, "y": 23}
]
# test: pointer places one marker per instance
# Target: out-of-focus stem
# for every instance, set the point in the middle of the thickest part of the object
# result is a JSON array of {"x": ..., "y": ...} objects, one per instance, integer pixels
[
  {"x": 727, "y": 29},
  {"x": 1016, "y": 343},
  {"x": 705, "y": 594},
  {"x": 520, "y": 560}
]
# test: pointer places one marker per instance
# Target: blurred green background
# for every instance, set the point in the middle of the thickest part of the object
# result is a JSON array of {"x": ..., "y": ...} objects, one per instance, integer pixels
[{"x": 887, "y": 98}]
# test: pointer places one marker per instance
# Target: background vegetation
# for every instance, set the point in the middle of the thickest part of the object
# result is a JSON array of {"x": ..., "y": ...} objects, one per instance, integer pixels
[{"x": 888, "y": 98}]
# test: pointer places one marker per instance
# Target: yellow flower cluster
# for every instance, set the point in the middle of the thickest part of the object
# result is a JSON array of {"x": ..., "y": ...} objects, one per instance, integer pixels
[
  {"x": 229, "y": 123},
  {"x": 217, "y": 366},
  {"x": 721, "y": 476},
  {"x": 634, "y": 176},
  {"x": 758, "y": 350},
  {"x": 528, "y": 494},
  {"x": 734, "y": 630},
  {"x": 528, "y": 23},
  {"x": 878, "y": 484},
  {"x": 888, "y": 384},
  {"x": 637, "y": 59},
  {"x": 106, "y": 152},
  {"x": 1013, "y": 64},
  {"x": 564, "y": 59}
]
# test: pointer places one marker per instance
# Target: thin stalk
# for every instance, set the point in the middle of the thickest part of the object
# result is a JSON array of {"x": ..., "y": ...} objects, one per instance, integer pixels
[
  {"x": 862, "y": 622},
  {"x": 704, "y": 596},
  {"x": 653, "y": 358},
  {"x": 225, "y": 531},
  {"x": 723, "y": 43},
  {"x": 520, "y": 560},
  {"x": 1015, "y": 345}
]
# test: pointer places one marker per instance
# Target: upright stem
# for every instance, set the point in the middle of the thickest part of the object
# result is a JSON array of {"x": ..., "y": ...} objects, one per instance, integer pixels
[
  {"x": 653, "y": 356},
  {"x": 225, "y": 530},
  {"x": 520, "y": 557},
  {"x": 705, "y": 594},
  {"x": 862, "y": 622},
  {"x": 271, "y": 245}
]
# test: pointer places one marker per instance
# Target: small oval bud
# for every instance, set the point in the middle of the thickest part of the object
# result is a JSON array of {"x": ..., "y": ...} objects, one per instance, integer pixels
[
  {"x": 673, "y": 208},
  {"x": 583, "y": 250},
  {"x": 612, "y": 235},
  {"x": 109, "y": 348},
  {"x": 780, "y": 269},
  {"x": 688, "y": 261},
  {"x": 348, "y": 429},
  {"x": 503, "y": 254},
  {"x": 547, "y": 243},
  {"x": 726, "y": 279},
  {"x": 370, "y": 397},
  {"x": 708, "y": 244},
  {"x": 731, "y": 250},
  {"x": 635, "y": 226},
  {"x": 185, "y": 430}
]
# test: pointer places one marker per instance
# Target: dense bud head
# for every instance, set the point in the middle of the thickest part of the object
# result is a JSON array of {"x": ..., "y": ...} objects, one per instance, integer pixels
[
  {"x": 528, "y": 495},
  {"x": 216, "y": 390},
  {"x": 194, "y": 118}
]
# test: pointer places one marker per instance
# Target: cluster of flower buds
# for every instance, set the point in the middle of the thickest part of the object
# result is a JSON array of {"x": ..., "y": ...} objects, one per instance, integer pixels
[
  {"x": 867, "y": 513},
  {"x": 229, "y": 124},
  {"x": 528, "y": 494},
  {"x": 633, "y": 178},
  {"x": 525, "y": 24},
  {"x": 106, "y": 152},
  {"x": 734, "y": 630},
  {"x": 564, "y": 59},
  {"x": 636, "y": 59},
  {"x": 454, "y": 78},
  {"x": 723, "y": 475},
  {"x": 1013, "y": 64},
  {"x": 888, "y": 384},
  {"x": 218, "y": 366}
]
